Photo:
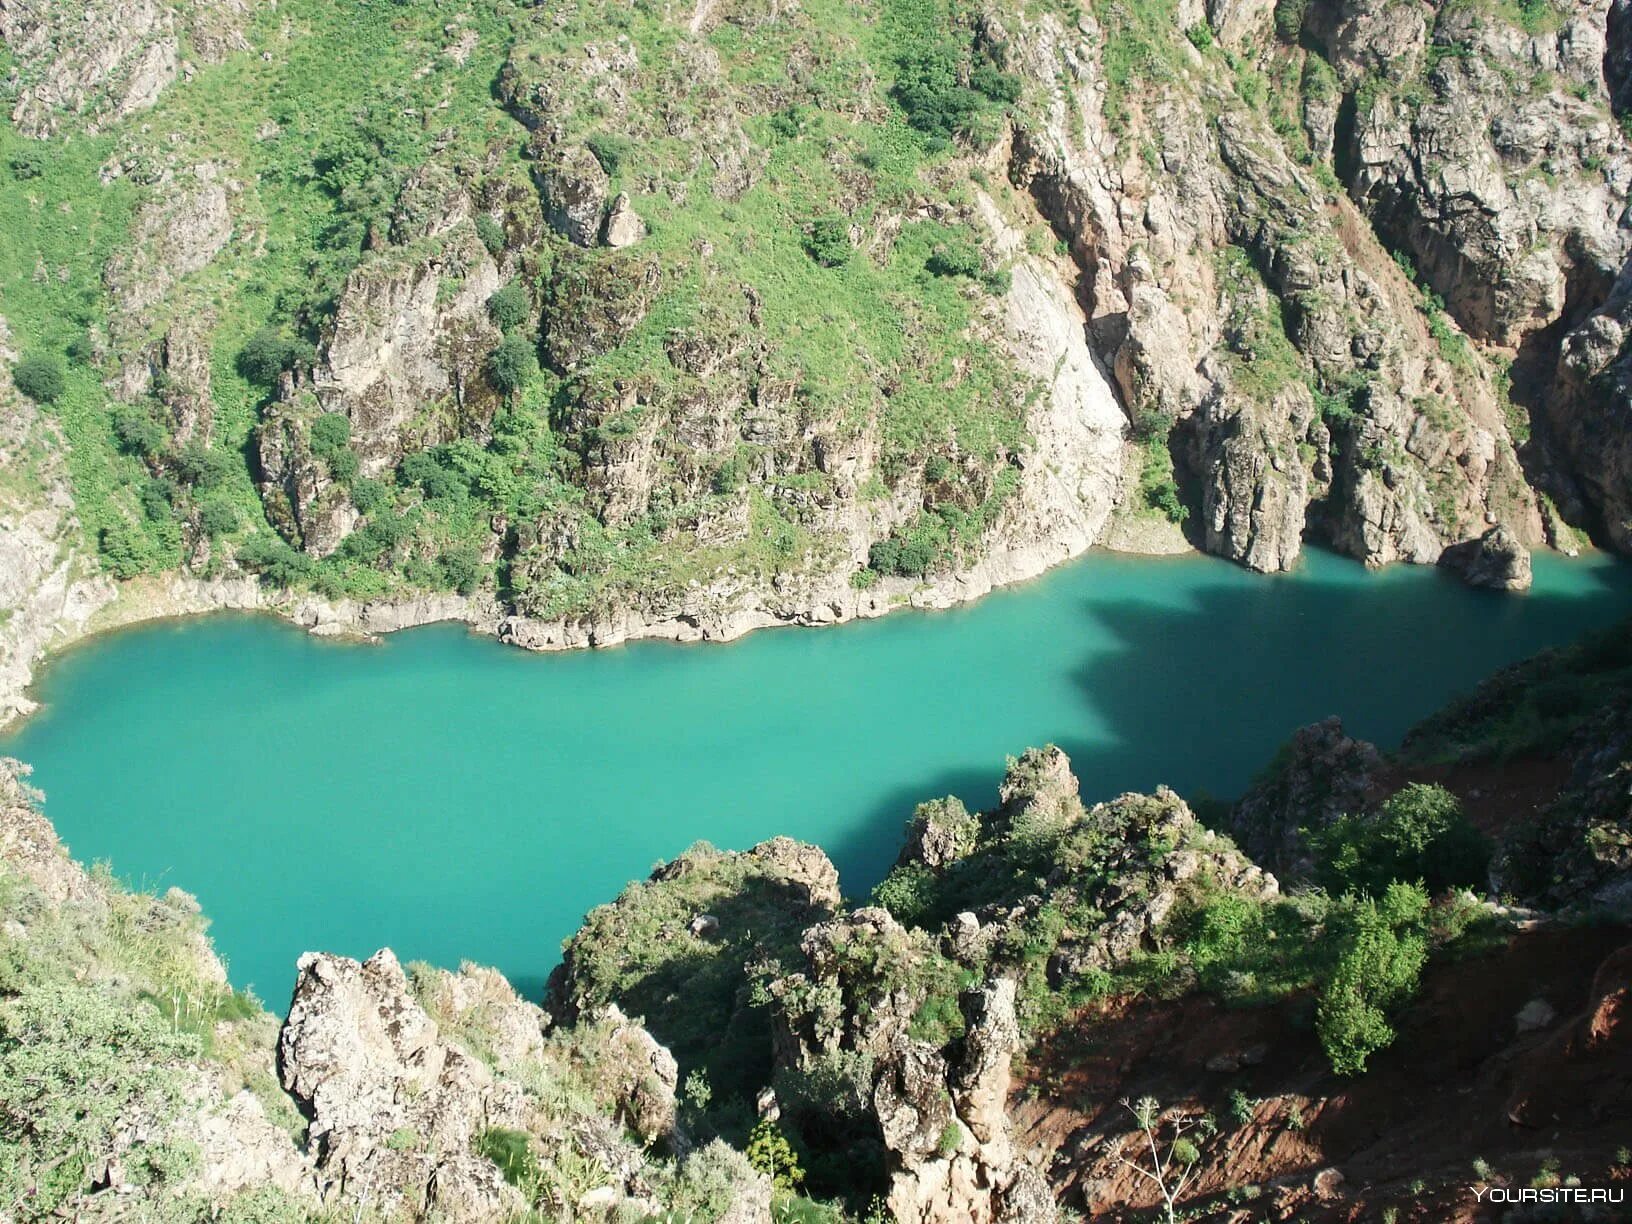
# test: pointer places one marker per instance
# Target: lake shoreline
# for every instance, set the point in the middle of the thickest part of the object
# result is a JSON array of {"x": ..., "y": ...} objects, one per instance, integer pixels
[{"x": 807, "y": 602}]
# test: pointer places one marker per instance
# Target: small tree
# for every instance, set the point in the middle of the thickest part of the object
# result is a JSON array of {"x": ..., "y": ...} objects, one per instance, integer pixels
[
  {"x": 512, "y": 365},
  {"x": 39, "y": 378},
  {"x": 828, "y": 242},
  {"x": 1173, "y": 1171},
  {"x": 1381, "y": 955},
  {"x": 509, "y": 306}
]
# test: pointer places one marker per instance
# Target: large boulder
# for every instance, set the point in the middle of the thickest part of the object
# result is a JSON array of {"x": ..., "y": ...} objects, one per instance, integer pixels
[{"x": 1496, "y": 560}]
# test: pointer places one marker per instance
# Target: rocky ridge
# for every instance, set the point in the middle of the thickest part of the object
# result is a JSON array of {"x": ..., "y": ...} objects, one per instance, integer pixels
[{"x": 1219, "y": 331}]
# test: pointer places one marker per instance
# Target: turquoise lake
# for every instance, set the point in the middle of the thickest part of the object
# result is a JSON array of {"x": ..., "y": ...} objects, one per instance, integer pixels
[{"x": 457, "y": 799}]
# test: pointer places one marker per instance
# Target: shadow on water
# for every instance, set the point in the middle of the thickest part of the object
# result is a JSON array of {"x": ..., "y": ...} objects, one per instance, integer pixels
[{"x": 1199, "y": 697}]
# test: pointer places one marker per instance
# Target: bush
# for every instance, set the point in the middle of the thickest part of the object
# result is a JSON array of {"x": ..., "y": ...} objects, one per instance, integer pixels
[
  {"x": 369, "y": 496},
  {"x": 138, "y": 433},
  {"x": 330, "y": 434},
  {"x": 125, "y": 550},
  {"x": 203, "y": 468},
  {"x": 75, "y": 1065},
  {"x": 828, "y": 241},
  {"x": 1200, "y": 35},
  {"x": 955, "y": 259},
  {"x": 217, "y": 516},
  {"x": 40, "y": 378},
  {"x": 1381, "y": 957},
  {"x": 491, "y": 233},
  {"x": 1289, "y": 17},
  {"x": 272, "y": 558},
  {"x": 512, "y": 365},
  {"x": 1419, "y": 834},
  {"x": 997, "y": 85},
  {"x": 509, "y": 306},
  {"x": 264, "y": 356},
  {"x": 436, "y": 479},
  {"x": 461, "y": 568}
]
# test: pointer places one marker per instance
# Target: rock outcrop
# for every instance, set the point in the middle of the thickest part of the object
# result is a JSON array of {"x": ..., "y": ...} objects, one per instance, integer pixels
[
  {"x": 1320, "y": 776},
  {"x": 1496, "y": 560},
  {"x": 50, "y": 585},
  {"x": 395, "y": 1110}
]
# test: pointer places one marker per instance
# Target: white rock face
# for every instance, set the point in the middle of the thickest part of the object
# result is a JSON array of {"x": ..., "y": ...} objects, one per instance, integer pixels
[{"x": 1069, "y": 483}]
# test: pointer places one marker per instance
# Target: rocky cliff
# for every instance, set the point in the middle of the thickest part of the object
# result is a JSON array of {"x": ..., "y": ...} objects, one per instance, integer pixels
[{"x": 733, "y": 317}]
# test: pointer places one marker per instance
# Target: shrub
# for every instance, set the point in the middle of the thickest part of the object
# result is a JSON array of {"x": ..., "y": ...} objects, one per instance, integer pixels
[
  {"x": 461, "y": 568},
  {"x": 997, "y": 85},
  {"x": 217, "y": 516},
  {"x": 1419, "y": 833},
  {"x": 491, "y": 233},
  {"x": 512, "y": 365},
  {"x": 331, "y": 433},
  {"x": 137, "y": 432},
  {"x": 955, "y": 259},
  {"x": 272, "y": 558},
  {"x": 424, "y": 469},
  {"x": 369, "y": 496},
  {"x": 509, "y": 306},
  {"x": 203, "y": 468},
  {"x": 269, "y": 353},
  {"x": 770, "y": 1152},
  {"x": 1381, "y": 958},
  {"x": 908, "y": 892},
  {"x": 1200, "y": 35},
  {"x": 40, "y": 378},
  {"x": 125, "y": 549},
  {"x": 75, "y": 1063},
  {"x": 1289, "y": 17},
  {"x": 828, "y": 241}
]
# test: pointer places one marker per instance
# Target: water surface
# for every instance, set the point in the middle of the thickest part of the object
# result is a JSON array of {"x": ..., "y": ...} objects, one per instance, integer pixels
[{"x": 457, "y": 799}]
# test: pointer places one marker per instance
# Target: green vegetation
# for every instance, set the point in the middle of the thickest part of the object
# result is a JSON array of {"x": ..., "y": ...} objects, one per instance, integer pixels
[
  {"x": 510, "y": 306},
  {"x": 1420, "y": 833},
  {"x": 106, "y": 1003},
  {"x": 39, "y": 378},
  {"x": 1534, "y": 707},
  {"x": 641, "y": 953},
  {"x": 1382, "y": 950},
  {"x": 513, "y": 364},
  {"x": 770, "y": 1152}
]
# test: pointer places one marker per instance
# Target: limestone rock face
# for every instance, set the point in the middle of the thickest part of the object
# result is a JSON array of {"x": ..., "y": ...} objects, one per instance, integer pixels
[
  {"x": 394, "y": 1108},
  {"x": 49, "y": 583},
  {"x": 1587, "y": 409},
  {"x": 179, "y": 229},
  {"x": 1496, "y": 560},
  {"x": 411, "y": 327},
  {"x": 574, "y": 194},
  {"x": 301, "y": 497},
  {"x": 1255, "y": 495},
  {"x": 1221, "y": 285},
  {"x": 940, "y": 1110},
  {"x": 106, "y": 59},
  {"x": 1506, "y": 248}
]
